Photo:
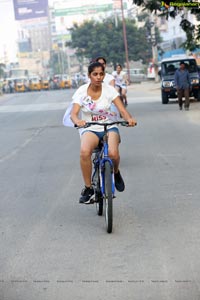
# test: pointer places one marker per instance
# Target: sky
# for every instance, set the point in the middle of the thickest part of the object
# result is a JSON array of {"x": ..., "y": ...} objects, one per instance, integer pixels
[{"x": 8, "y": 29}]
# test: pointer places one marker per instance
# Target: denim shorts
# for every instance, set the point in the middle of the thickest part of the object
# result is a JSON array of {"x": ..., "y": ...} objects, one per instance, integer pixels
[{"x": 100, "y": 134}]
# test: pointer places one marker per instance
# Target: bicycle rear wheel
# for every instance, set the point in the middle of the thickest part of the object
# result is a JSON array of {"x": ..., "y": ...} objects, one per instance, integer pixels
[{"x": 108, "y": 197}]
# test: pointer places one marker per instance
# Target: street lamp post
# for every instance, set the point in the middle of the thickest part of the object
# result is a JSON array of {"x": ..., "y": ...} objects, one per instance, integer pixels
[
  {"x": 154, "y": 47},
  {"x": 125, "y": 39}
]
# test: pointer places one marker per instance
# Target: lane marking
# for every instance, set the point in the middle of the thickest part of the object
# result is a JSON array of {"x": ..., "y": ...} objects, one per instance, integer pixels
[
  {"x": 19, "y": 148},
  {"x": 33, "y": 107}
]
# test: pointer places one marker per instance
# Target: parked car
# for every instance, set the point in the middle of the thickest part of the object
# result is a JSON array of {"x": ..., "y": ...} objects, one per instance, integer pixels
[
  {"x": 168, "y": 69},
  {"x": 136, "y": 75}
]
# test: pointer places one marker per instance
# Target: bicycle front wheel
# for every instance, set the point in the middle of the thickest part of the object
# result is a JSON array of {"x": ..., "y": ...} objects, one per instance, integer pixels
[{"x": 108, "y": 197}]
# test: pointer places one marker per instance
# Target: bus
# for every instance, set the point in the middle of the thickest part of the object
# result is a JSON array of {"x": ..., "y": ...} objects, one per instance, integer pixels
[{"x": 17, "y": 73}]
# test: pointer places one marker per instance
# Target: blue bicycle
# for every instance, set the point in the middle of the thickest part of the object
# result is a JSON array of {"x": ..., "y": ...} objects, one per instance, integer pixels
[{"x": 103, "y": 176}]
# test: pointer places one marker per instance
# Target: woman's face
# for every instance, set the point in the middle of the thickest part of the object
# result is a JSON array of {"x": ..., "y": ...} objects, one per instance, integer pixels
[
  {"x": 101, "y": 61},
  {"x": 118, "y": 69},
  {"x": 97, "y": 76}
]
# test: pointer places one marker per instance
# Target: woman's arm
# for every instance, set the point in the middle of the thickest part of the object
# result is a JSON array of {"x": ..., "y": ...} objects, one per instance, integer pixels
[
  {"x": 125, "y": 78},
  {"x": 75, "y": 115},
  {"x": 112, "y": 82},
  {"x": 124, "y": 113}
]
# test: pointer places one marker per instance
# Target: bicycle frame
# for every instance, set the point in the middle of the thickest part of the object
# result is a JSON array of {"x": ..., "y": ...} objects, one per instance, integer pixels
[
  {"x": 99, "y": 163},
  {"x": 103, "y": 158}
]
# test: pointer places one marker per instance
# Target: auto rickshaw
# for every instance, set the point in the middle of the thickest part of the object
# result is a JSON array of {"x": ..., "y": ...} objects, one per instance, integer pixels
[
  {"x": 45, "y": 84},
  {"x": 21, "y": 84},
  {"x": 63, "y": 81},
  {"x": 35, "y": 84}
]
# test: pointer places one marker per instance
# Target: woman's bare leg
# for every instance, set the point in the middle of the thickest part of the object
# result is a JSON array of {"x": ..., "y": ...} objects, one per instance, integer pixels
[
  {"x": 113, "y": 148},
  {"x": 89, "y": 141}
]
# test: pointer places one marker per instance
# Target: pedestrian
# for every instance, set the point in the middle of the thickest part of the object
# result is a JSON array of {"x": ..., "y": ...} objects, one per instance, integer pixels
[{"x": 183, "y": 85}]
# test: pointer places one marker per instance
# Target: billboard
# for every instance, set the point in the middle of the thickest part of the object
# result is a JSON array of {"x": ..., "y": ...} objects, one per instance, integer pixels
[{"x": 29, "y": 9}]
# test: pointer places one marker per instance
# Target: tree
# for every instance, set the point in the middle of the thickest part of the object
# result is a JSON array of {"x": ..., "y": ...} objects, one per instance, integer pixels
[
  {"x": 105, "y": 38},
  {"x": 192, "y": 31},
  {"x": 2, "y": 68}
]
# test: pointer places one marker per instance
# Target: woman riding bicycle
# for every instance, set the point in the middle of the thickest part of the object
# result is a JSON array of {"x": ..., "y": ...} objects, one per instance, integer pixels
[
  {"x": 94, "y": 100},
  {"x": 121, "y": 82}
]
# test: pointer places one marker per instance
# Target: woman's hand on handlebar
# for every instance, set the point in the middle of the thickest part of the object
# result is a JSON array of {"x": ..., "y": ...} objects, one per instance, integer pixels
[
  {"x": 80, "y": 123},
  {"x": 131, "y": 122}
]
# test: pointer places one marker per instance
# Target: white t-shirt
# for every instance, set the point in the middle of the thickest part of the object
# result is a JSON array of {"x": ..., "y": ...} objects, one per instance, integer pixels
[
  {"x": 108, "y": 78},
  {"x": 120, "y": 79},
  {"x": 101, "y": 105}
]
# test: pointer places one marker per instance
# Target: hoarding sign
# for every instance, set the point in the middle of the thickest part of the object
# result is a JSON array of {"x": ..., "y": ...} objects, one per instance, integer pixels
[
  {"x": 29, "y": 9},
  {"x": 86, "y": 9}
]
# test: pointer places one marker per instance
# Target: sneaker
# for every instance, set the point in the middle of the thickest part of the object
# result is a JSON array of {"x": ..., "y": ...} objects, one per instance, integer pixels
[
  {"x": 87, "y": 195},
  {"x": 119, "y": 182},
  {"x": 180, "y": 107}
]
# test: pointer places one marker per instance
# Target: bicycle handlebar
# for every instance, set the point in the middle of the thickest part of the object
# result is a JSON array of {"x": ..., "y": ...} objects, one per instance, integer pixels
[{"x": 88, "y": 124}]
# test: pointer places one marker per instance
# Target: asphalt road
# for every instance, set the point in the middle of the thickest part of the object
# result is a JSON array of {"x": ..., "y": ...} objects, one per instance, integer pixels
[{"x": 54, "y": 248}]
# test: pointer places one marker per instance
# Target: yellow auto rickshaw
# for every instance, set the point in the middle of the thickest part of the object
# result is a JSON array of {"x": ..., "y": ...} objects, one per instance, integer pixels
[
  {"x": 35, "y": 84},
  {"x": 63, "y": 81},
  {"x": 45, "y": 84},
  {"x": 21, "y": 84}
]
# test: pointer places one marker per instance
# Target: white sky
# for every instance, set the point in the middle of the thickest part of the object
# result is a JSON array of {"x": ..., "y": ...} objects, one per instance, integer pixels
[{"x": 8, "y": 29}]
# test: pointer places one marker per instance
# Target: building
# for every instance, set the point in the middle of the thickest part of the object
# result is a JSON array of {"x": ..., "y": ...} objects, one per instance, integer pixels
[{"x": 49, "y": 34}]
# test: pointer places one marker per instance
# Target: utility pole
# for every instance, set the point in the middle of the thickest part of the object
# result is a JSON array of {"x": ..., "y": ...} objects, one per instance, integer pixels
[
  {"x": 125, "y": 40},
  {"x": 154, "y": 46}
]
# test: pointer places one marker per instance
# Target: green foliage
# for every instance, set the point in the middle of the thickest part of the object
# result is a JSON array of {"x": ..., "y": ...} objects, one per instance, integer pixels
[
  {"x": 152, "y": 5},
  {"x": 92, "y": 39},
  {"x": 192, "y": 31},
  {"x": 2, "y": 67}
]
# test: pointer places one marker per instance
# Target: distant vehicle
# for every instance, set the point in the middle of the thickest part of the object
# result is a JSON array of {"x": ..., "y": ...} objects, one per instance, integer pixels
[
  {"x": 79, "y": 79},
  {"x": 151, "y": 74},
  {"x": 17, "y": 73},
  {"x": 137, "y": 75},
  {"x": 8, "y": 85},
  {"x": 21, "y": 84},
  {"x": 168, "y": 69},
  {"x": 45, "y": 85},
  {"x": 151, "y": 71},
  {"x": 35, "y": 83},
  {"x": 62, "y": 81}
]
